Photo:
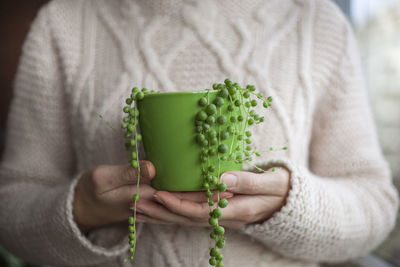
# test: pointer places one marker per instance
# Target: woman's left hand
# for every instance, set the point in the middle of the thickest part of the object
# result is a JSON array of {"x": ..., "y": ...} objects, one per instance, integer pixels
[{"x": 253, "y": 198}]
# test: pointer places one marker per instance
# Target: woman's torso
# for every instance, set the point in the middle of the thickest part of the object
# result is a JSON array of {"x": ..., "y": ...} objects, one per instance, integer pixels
[{"x": 181, "y": 46}]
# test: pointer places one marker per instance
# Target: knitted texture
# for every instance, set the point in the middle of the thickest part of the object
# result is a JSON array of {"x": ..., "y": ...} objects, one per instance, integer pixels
[{"x": 81, "y": 58}]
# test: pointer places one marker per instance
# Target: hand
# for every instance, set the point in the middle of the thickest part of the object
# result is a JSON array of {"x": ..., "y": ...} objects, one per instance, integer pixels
[
  {"x": 256, "y": 197},
  {"x": 103, "y": 195}
]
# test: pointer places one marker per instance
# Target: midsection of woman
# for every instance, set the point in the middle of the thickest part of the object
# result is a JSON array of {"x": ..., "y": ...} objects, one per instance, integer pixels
[
  {"x": 189, "y": 48},
  {"x": 299, "y": 52},
  {"x": 183, "y": 46}
]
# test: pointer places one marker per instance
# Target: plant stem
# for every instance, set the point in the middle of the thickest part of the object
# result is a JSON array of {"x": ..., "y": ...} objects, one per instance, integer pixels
[
  {"x": 219, "y": 161},
  {"x": 137, "y": 184},
  {"x": 108, "y": 123},
  {"x": 234, "y": 133}
]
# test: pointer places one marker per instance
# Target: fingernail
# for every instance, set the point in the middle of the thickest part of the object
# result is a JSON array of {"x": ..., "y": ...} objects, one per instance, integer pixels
[
  {"x": 157, "y": 199},
  {"x": 227, "y": 195},
  {"x": 144, "y": 168},
  {"x": 229, "y": 180}
]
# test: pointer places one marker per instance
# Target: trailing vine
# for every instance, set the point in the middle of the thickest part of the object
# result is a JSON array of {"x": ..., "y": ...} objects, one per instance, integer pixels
[
  {"x": 130, "y": 124},
  {"x": 221, "y": 130},
  {"x": 235, "y": 104}
]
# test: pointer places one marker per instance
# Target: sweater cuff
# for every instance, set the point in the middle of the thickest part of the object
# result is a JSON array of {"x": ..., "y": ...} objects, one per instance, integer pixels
[
  {"x": 280, "y": 228},
  {"x": 86, "y": 247}
]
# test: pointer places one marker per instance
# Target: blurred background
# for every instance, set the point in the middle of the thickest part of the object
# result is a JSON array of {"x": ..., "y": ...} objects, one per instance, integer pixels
[{"x": 377, "y": 26}]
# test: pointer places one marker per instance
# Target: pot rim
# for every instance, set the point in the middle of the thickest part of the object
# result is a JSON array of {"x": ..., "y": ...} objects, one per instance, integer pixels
[{"x": 211, "y": 91}]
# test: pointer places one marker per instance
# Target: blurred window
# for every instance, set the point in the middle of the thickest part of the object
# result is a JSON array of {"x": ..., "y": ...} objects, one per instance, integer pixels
[{"x": 377, "y": 27}]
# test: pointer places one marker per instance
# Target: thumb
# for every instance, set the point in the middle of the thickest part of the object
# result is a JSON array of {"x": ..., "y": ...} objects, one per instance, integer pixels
[
  {"x": 108, "y": 177},
  {"x": 250, "y": 183},
  {"x": 147, "y": 170}
]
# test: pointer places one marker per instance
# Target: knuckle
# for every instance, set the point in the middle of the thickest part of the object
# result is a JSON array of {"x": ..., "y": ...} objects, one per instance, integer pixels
[
  {"x": 97, "y": 172},
  {"x": 280, "y": 174},
  {"x": 251, "y": 184},
  {"x": 203, "y": 212},
  {"x": 129, "y": 174},
  {"x": 283, "y": 182},
  {"x": 200, "y": 214},
  {"x": 174, "y": 207},
  {"x": 96, "y": 177}
]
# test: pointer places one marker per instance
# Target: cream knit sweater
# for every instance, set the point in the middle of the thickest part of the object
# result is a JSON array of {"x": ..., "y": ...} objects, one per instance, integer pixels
[{"x": 81, "y": 58}]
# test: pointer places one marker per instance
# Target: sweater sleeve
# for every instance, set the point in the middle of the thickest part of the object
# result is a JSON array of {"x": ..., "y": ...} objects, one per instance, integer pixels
[
  {"x": 343, "y": 204},
  {"x": 36, "y": 172}
]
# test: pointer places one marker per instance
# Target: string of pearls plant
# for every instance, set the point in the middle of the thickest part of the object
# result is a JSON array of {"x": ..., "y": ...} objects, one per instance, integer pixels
[
  {"x": 130, "y": 124},
  {"x": 219, "y": 125},
  {"x": 229, "y": 115}
]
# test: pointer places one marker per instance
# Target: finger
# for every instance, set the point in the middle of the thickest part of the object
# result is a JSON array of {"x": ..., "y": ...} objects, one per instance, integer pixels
[
  {"x": 146, "y": 219},
  {"x": 226, "y": 223},
  {"x": 237, "y": 215},
  {"x": 233, "y": 224},
  {"x": 240, "y": 207},
  {"x": 188, "y": 208},
  {"x": 200, "y": 196},
  {"x": 250, "y": 209},
  {"x": 268, "y": 183},
  {"x": 114, "y": 205},
  {"x": 109, "y": 177},
  {"x": 123, "y": 195},
  {"x": 159, "y": 212}
]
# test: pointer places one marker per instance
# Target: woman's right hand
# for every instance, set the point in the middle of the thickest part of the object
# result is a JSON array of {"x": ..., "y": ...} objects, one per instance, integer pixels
[{"x": 103, "y": 194}]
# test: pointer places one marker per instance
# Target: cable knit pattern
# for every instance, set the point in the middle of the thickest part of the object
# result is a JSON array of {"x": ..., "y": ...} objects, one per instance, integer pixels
[{"x": 81, "y": 58}]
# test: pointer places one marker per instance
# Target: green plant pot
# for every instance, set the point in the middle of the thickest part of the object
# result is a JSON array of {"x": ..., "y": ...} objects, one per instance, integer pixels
[{"x": 167, "y": 125}]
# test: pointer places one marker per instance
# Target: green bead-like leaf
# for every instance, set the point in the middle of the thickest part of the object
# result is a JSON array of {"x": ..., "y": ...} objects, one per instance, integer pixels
[
  {"x": 140, "y": 95},
  {"x": 212, "y": 261},
  {"x": 224, "y": 93},
  {"x": 203, "y": 102},
  {"x": 223, "y": 203},
  {"x": 211, "y": 109},
  {"x": 213, "y": 221},
  {"x": 214, "y": 252},
  {"x": 219, "y": 230},
  {"x": 220, "y": 243},
  {"x": 217, "y": 213},
  {"x": 224, "y": 135},
  {"x": 228, "y": 82},
  {"x": 222, "y": 148},
  {"x": 221, "y": 119},
  {"x": 221, "y": 187},
  {"x": 219, "y": 101},
  {"x": 134, "y": 164},
  {"x": 210, "y": 120},
  {"x": 136, "y": 197},
  {"x": 201, "y": 115}
]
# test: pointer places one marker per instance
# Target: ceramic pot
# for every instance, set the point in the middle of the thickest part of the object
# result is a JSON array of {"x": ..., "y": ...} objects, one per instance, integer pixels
[{"x": 167, "y": 125}]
